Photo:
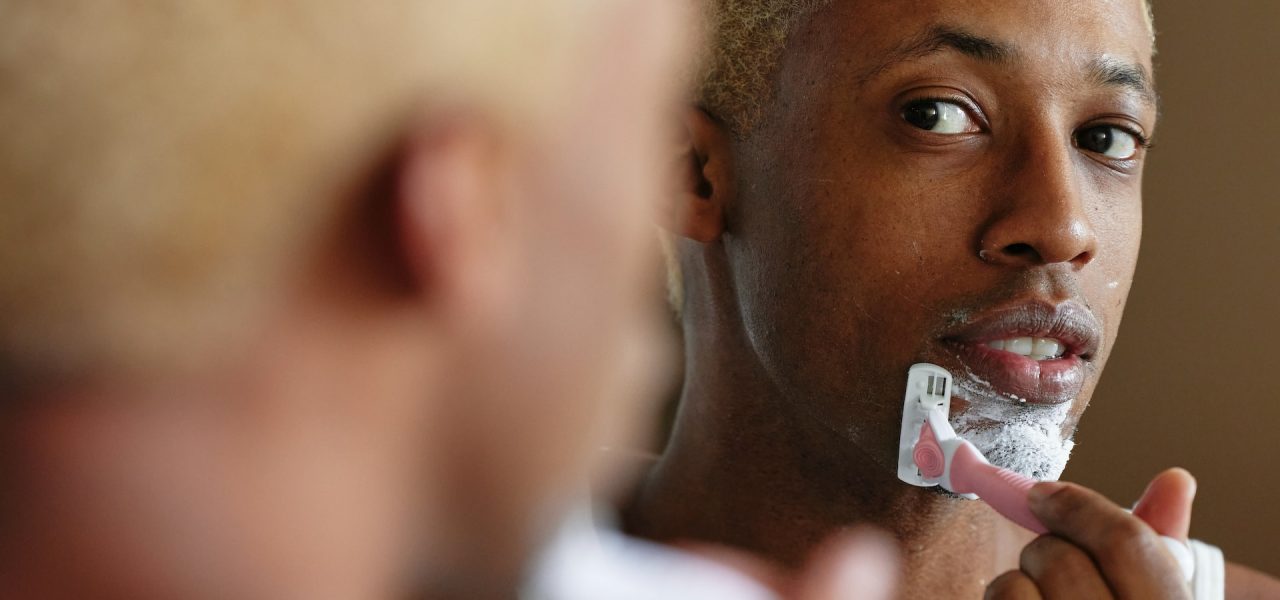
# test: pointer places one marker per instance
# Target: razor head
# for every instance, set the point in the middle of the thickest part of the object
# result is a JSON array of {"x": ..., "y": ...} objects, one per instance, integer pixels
[
  {"x": 928, "y": 390},
  {"x": 936, "y": 388}
]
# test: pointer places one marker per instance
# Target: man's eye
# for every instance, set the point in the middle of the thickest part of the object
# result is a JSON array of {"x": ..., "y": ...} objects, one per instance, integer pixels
[
  {"x": 937, "y": 116},
  {"x": 1109, "y": 141}
]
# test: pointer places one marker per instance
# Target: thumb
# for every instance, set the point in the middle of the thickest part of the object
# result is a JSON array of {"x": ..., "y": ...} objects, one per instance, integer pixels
[
  {"x": 862, "y": 565},
  {"x": 1166, "y": 504}
]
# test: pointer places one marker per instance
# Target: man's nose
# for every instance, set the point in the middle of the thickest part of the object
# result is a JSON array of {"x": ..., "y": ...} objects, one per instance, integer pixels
[{"x": 1040, "y": 218}]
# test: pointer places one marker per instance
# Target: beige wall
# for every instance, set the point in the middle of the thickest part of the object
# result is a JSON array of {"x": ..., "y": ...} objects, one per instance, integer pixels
[{"x": 1195, "y": 379}]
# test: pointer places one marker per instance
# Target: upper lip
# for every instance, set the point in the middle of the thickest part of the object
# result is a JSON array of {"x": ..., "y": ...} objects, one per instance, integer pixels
[{"x": 1068, "y": 322}]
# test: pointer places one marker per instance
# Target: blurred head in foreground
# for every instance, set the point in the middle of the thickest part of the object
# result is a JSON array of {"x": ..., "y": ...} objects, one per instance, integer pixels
[{"x": 298, "y": 297}]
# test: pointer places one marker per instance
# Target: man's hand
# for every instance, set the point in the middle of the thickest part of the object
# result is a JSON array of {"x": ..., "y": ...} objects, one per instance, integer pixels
[{"x": 1096, "y": 549}]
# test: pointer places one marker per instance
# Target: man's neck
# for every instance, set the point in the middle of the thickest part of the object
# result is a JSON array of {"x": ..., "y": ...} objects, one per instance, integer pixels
[{"x": 744, "y": 469}]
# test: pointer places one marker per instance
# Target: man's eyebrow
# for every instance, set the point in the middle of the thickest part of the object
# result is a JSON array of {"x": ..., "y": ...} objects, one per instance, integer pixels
[
  {"x": 1109, "y": 71},
  {"x": 942, "y": 37},
  {"x": 1117, "y": 73}
]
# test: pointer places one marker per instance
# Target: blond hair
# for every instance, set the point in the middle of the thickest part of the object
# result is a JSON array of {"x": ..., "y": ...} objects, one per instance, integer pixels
[
  {"x": 745, "y": 39},
  {"x": 166, "y": 165}
]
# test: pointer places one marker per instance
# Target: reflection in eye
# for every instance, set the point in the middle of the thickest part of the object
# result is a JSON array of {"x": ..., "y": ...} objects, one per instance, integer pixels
[
  {"x": 1109, "y": 141},
  {"x": 938, "y": 116}
]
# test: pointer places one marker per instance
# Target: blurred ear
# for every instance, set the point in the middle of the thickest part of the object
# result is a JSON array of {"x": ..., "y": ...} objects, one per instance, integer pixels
[
  {"x": 697, "y": 208},
  {"x": 447, "y": 209}
]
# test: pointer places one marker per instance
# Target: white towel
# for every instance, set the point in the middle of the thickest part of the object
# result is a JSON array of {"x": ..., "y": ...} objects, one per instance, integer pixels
[{"x": 1209, "y": 581}]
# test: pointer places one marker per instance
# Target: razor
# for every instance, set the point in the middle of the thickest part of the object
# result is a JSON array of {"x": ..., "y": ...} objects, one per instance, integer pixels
[{"x": 930, "y": 453}]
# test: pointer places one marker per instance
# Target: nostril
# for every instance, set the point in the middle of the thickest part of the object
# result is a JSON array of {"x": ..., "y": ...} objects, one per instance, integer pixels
[{"x": 1021, "y": 250}]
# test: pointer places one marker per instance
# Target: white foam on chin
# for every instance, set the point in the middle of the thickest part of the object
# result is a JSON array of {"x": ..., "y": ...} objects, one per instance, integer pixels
[{"x": 1022, "y": 437}]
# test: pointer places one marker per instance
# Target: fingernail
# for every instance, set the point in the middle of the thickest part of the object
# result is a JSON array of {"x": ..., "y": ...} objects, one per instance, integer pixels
[{"x": 1041, "y": 491}]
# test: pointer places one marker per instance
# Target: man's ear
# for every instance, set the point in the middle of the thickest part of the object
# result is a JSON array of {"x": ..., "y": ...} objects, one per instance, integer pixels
[
  {"x": 697, "y": 206},
  {"x": 447, "y": 208}
]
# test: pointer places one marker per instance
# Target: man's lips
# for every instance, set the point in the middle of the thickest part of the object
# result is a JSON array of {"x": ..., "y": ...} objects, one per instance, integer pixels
[{"x": 1067, "y": 332}]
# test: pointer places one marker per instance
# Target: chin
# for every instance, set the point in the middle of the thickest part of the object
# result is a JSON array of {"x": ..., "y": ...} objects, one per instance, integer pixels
[{"x": 1032, "y": 445}]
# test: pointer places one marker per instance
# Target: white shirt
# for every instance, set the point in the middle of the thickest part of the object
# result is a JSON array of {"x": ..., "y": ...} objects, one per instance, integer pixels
[{"x": 586, "y": 562}]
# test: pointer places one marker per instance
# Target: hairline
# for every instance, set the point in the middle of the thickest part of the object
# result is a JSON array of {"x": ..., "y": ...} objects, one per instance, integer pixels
[{"x": 743, "y": 113}]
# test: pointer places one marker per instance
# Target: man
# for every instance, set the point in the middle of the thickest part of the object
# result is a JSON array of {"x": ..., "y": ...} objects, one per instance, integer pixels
[
  {"x": 295, "y": 302},
  {"x": 873, "y": 184}
]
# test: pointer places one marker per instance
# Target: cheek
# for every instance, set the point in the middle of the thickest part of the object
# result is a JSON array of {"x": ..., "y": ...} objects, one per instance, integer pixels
[
  {"x": 833, "y": 278},
  {"x": 851, "y": 241},
  {"x": 1110, "y": 276}
]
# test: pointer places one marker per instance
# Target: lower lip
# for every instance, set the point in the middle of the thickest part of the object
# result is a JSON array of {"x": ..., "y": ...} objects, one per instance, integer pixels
[{"x": 1036, "y": 381}]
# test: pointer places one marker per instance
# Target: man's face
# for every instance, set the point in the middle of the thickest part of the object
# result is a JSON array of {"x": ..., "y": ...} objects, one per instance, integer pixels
[{"x": 953, "y": 182}]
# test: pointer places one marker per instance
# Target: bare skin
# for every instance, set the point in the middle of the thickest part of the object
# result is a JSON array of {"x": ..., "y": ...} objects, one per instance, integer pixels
[{"x": 845, "y": 238}]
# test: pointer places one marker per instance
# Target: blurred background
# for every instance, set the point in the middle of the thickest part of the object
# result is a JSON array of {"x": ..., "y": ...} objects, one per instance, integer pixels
[{"x": 1193, "y": 381}]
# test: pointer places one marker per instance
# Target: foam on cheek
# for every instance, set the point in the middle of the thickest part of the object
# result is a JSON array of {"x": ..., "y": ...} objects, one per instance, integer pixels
[{"x": 1025, "y": 438}]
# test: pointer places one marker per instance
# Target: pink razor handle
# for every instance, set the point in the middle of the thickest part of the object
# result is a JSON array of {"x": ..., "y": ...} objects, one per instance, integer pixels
[
  {"x": 966, "y": 471},
  {"x": 1003, "y": 489},
  {"x": 970, "y": 473}
]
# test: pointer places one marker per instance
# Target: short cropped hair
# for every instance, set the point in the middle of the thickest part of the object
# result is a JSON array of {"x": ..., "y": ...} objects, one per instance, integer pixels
[
  {"x": 167, "y": 166},
  {"x": 745, "y": 39}
]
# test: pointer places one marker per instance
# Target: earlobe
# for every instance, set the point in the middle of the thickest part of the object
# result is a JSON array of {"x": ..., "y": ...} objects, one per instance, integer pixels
[{"x": 697, "y": 208}]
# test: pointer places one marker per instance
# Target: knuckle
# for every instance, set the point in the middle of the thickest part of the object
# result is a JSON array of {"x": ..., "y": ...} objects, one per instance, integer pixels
[
  {"x": 1051, "y": 555},
  {"x": 1009, "y": 586},
  {"x": 1068, "y": 502},
  {"x": 1127, "y": 534},
  {"x": 1130, "y": 541},
  {"x": 1042, "y": 549},
  {"x": 1047, "y": 548}
]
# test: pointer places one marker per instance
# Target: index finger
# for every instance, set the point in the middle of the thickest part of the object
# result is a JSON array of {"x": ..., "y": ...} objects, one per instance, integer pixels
[{"x": 1129, "y": 553}]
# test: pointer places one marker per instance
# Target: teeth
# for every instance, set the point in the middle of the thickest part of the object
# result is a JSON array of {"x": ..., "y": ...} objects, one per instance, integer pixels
[
  {"x": 1046, "y": 348},
  {"x": 1036, "y": 348}
]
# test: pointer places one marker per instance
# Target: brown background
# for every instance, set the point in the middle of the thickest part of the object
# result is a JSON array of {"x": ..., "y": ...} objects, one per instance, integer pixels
[{"x": 1194, "y": 380}]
